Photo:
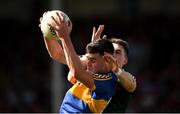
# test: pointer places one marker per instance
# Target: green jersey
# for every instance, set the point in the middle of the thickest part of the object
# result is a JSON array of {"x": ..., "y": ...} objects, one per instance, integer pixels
[{"x": 119, "y": 101}]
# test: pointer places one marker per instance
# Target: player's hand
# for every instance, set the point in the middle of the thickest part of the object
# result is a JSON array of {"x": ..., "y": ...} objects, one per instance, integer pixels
[
  {"x": 97, "y": 34},
  {"x": 60, "y": 26},
  {"x": 112, "y": 62}
]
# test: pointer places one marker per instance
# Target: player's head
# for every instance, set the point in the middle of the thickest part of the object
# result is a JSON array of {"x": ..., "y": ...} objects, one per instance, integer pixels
[
  {"x": 97, "y": 62},
  {"x": 121, "y": 51}
]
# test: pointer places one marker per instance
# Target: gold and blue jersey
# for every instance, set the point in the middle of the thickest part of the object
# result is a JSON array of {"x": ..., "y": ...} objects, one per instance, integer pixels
[{"x": 80, "y": 99}]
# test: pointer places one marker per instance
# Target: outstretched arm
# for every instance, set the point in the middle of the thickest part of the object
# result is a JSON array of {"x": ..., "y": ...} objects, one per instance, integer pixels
[
  {"x": 54, "y": 48},
  {"x": 73, "y": 61}
]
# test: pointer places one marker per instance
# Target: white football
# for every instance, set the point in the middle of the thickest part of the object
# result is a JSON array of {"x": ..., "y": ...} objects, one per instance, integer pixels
[{"x": 47, "y": 31}]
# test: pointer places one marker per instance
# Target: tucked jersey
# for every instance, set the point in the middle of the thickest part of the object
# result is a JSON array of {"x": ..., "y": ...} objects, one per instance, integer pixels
[{"x": 80, "y": 99}]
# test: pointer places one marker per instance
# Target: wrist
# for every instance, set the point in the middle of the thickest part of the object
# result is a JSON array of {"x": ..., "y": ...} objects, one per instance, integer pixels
[{"x": 118, "y": 74}]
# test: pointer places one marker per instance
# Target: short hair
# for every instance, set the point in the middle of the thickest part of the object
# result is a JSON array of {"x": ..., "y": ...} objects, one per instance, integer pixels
[
  {"x": 121, "y": 42},
  {"x": 100, "y": 46}
]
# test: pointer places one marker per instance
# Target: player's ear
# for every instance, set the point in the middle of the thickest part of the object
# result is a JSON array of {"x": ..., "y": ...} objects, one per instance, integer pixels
[{"x": 125, "y": 61}]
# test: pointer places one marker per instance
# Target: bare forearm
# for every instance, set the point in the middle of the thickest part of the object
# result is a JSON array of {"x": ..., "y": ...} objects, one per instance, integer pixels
[
  {"x": 128, "y": 81},
  {"x": 75, "y": 64},
  {"x": 70, "y": 55},
  {"x": 73, "y": 61},
  {"x": 55, "y": 50}
]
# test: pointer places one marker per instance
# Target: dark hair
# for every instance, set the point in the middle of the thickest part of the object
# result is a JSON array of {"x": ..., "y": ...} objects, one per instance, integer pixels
[
  {"x": 121, "y": 42},
  {"x": 100, "y": 46}
]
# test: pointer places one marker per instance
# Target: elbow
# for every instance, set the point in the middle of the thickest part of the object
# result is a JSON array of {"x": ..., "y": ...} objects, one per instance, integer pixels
[
  {"x": 72, "y": 73},
  {"x": 71, "y": 78}
]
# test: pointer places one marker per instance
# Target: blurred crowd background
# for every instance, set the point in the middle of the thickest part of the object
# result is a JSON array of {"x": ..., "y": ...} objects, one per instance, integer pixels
[{"x": 151, "y": 27}]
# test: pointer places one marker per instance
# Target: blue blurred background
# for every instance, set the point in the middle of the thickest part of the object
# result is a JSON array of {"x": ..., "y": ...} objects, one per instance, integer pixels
[{"x": 30, "y": 81}]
